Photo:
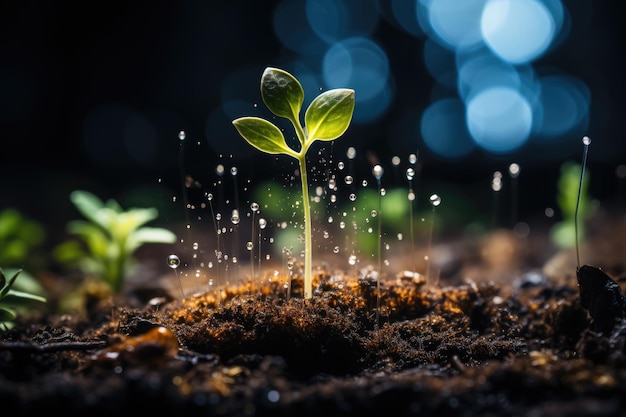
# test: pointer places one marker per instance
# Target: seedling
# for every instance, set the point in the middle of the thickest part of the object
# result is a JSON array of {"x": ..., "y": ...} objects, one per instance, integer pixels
[
  {"x": 327, "y": 117},
  {"x": 111, "y": 236},
  {"x": 9, "y": 296}
]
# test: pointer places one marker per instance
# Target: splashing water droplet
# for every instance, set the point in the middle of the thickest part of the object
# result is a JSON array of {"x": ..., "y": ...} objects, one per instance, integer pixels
[
  {"x": 413, "y": 158},
  {"x": 262, "y": 223},
  {"x": 182, "y": 135},
  {"x": 233, "y": 171},
  {"x": 348, "y": 179},
  {"x": 378, "y": 171},
  {"x": 234, "y": 217},
  {"x": 514, "y": 170},
  {"x": 410, "y": 173},
  {"x": 249, "y": 245},
  {"x": 435, "y": 200},
  {"x": 254, "y": 207},
  {"x": 586, "y": 140},
  {"x": 340, "y": 165},
  {"x": 351, "y": 153},
  {"x": 173, "y": 261}
]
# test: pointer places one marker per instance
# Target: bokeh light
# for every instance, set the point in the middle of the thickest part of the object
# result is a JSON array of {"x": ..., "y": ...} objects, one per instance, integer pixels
[
  {"x": 518, "y": 31},
  {"x": 499, "y": 119}
]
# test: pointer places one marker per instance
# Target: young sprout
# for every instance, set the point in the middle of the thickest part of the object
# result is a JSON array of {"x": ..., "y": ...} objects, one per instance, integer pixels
[
  {"x": 327, "y": 117},
  {"x": 111, "y": 236}
]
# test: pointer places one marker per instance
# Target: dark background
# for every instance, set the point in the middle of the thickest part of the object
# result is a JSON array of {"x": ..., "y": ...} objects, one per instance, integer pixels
[{"x": 166, "y": 62}]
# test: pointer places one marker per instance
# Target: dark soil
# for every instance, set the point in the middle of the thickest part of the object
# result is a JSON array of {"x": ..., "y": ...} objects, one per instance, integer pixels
[{"x": 524, "y": 336}]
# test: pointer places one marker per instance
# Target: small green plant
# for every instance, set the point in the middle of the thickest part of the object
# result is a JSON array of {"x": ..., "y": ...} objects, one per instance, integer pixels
[
  {"x": 10, "y": 298},
  {"x": 110, "y": 236},
  {"x": 327, "y": 117}
]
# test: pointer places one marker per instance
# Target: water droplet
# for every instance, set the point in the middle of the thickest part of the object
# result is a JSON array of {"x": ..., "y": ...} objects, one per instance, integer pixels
[
  {"x": 378, "y": 171},
  {"x": 254, "y": 207},
  {"x": 195, "y": 246},
  {"x": 209, "y": 196},
  {"x": 218, "y": 216},
  {"x": 352, "y": 197},
  {"x": 234, "y": 217},
  {"x": 514, "y": 170},
  {"x": 413, "y": 158},
  {"x": 319, "y": 191},
  {"x": 340, "y": 165},
  {"x": 182, "y": 135},
  {"x": 219, "y": 169},
  {"x": 395, "y": 161},
  {"x": 374, "y": 213},
  {"x": 352, "y": 260},
  {"x": 173, "y": 261},
  {"x": 233, "y": 171},
  {"x": 249, "y": 245},
  {"x": 364, "y": 183},
  {"x": 410, "y": 173},
  {"x": 351, "y": 152},
  {"x": 326, "y": 234},
  {"x": 435, "y": 200},
  {"x": 383, "y": 191},
  {"x": 400, "y": 236},
  {"x": 411, "y": 195},
  {"x": 262, "y": 223},
  {"x": 586, "y": 140},
  {"x": 348, "y": 180}
]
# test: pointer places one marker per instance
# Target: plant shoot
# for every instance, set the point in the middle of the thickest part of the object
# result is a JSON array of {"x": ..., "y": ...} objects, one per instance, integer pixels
[{"x": 327, "y": 118}]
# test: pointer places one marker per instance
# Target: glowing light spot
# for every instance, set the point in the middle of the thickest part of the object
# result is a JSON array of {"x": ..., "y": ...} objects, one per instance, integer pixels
[
  {"x": 454, "y": 23},
  {"x": 499, "y": 119},
  {"x": 518, "y": 31}
]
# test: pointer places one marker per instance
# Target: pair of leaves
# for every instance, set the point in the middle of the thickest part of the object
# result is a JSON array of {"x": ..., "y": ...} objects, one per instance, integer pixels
[{"x": 327, "y": 117}]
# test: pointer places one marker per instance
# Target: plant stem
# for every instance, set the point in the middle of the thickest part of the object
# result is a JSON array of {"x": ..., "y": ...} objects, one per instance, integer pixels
[{"x": 308, "y": 235}]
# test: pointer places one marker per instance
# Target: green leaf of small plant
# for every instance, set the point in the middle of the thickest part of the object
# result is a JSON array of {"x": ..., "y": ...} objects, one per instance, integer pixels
[
  {"x": 282, "y": 93},
  {"x": 263, "y": 135},
  {"x": 329, "y": 114}
]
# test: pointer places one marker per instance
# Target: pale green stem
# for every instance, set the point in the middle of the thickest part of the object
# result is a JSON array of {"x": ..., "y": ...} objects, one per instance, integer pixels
[{"x": 308, "y": 235}]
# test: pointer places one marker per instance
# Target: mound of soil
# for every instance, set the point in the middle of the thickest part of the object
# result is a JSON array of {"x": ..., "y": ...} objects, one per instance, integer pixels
[{"x": 540, "y": 342}]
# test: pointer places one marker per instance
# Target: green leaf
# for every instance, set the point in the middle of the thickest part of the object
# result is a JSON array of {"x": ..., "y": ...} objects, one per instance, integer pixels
[
  {"x": 26, "y": 296},
  {"x": 7, "y": 314},
  {"x": 263, "y": 135},
  {"x": 149, "y": 235},
  {"x": 282, "y": 93},
  {"x": 88, "y": 204},
  {"x": 329, "y": 114}
]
